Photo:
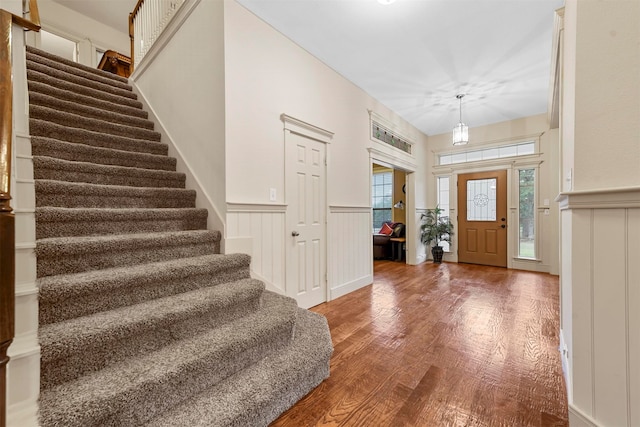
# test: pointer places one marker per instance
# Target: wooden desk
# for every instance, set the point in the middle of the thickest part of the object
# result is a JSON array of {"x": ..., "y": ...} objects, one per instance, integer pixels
[{"x": 397, "y": 251}]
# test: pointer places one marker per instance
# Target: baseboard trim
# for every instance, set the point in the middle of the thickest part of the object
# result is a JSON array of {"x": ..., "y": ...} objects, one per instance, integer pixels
[
  {"x": 269, "y": 286},
  {"x": 23, "y": 415},
  {"x": 345, "y": 288},
  {"x": 577, "y": 418},
  {"x": 566, "y": 367}
]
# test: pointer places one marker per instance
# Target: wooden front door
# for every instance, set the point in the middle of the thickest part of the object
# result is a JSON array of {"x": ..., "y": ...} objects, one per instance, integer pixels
[{"x": 482, "y": 218}]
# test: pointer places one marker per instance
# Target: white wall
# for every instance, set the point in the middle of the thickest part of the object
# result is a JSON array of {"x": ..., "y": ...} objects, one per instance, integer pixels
[
  {"x": 182, "y": 83},
  {"x": 88, "y": 32},
  {"x": 607, "y": 94},
  {"x": 267, "y": 75},
  {"x": 533, "y": 128},
  {"x": 600, "y": 279}
]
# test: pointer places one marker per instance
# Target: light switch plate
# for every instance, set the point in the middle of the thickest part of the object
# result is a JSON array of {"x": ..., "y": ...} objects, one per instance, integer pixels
[{"x": 272, "y": 194}]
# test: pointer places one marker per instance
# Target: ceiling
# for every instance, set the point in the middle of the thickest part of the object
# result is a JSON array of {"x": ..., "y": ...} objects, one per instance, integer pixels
[{"x": 415, "y": 56}]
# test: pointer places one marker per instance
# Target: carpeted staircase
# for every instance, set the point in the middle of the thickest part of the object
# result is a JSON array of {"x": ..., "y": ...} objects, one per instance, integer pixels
[{"x": 142, "y": 321}]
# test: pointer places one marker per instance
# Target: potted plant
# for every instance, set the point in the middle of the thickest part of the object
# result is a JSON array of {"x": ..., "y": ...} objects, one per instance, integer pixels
[{"x": 435, "y": 228}]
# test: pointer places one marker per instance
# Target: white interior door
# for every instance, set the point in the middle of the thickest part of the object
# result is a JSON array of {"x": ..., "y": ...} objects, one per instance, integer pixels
[{"x": 306, "y": 279}]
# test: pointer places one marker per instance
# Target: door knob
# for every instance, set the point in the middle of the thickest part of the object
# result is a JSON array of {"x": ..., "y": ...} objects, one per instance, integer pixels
[
  {"x": 503, "y": 226},
  {"x": 295, "y": 233}
]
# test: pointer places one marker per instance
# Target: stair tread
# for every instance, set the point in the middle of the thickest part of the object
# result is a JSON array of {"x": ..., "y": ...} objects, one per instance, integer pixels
[
  {"x": 55, "y": 58},
  {"x": 53, "y": 221},
  {"x": 101, "y": 104},
  {"x": 94, "y": 113},
  {"x": 54, "y": 213},
  {"x": 50, "y": 147},
  {"x": 83, "y": 244},
  {"x": 70, "y": 336},
  {"x": 259, "y": 394},
  {"x": 118, "y": 98},
  {"x": 97, "y": 125},
  {"x": 91, "y": 138},
  {"x": 80, "y": 79},
  {"x": 116, "y": 390},
  {"x": 68, "y": 286},
  {"x": 69, "y": 187},
  {"x": 42, "y": 161}
]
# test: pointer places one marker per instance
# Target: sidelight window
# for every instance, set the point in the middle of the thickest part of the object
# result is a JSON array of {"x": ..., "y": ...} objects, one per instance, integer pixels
[
  {"x": 443, "y": 203},
  {"x": 526, "y": 214}
]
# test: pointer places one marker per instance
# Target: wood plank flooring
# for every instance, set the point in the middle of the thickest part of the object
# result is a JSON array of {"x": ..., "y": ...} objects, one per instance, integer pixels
[{"x": 441, "y": 345}]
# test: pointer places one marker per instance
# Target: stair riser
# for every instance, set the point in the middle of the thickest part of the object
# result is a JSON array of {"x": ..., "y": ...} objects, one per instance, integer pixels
[
  {"x": 135, "y": 291},
  {"x": 51, "y": 60},
  {"x": 65, "y": 95},
  {"x": 57, "y": 74},
  {"x": 46, "y": 230},
  {"x": 76, "y": 121},
  {"x": 102, "y": 156},
  {"x": 138, "y": 406},
  {"x": 258, "y": 395},
  {"x": 82, "y": 136},
  {"x": 106, "y": 179},
  {"x": 106, "y": 350},
  {"x": 66, "y": 200},
  {"x": 83, "y": 90},
  {"x": 87, "y": 261},
  {"x": 88, "y": 112}
]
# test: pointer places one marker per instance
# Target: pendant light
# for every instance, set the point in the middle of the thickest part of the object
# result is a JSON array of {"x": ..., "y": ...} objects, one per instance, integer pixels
[{"x": 460, "y": 131}]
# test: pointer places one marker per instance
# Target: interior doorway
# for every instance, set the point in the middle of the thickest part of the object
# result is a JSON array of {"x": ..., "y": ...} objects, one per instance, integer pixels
[
  {"x": 482, "y": 218},
  {"x": 389, "y": 213}
]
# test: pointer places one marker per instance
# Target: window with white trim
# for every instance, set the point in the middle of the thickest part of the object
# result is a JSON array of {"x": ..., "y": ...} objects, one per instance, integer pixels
[
  {"x": 443, "y": 203},
  {"x": 526, "y": 213},
  {"x": 381, "y": 198},
  {"x": 489, "y": 153}
]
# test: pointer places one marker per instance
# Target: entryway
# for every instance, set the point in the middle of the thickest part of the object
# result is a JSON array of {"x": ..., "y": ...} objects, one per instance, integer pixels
[{"x": 482, "y": 218}]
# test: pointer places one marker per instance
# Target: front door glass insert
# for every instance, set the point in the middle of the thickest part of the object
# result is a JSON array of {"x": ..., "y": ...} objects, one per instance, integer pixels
[{"x": 481, "y": 200}]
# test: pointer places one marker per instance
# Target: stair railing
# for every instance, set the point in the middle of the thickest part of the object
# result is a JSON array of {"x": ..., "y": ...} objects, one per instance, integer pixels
[
  {"x": 147, "y": 21},
  {"x": 7, "y": 220}
]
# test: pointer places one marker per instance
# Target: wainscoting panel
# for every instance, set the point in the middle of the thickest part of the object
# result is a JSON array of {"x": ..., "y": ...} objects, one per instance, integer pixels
[
  {"x": 602, "y": 265},
  {"x": 633, "y": 311},
  {"x": 350, "y": 248},
  {"x": 264, "y": 227}
]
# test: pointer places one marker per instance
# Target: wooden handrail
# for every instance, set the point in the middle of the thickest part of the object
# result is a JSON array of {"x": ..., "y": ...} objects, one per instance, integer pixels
[
  {"x": 116, "y": 63},
  {"x": 132, "y": 17},
  {"x": 7, "y": 219}
]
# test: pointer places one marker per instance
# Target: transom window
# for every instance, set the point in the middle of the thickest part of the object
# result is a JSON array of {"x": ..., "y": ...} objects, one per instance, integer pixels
[{"x": 511, "y": 150}]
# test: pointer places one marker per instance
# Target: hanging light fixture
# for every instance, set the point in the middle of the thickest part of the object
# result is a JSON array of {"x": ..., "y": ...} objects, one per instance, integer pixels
[{"x": 460, "y": 131}]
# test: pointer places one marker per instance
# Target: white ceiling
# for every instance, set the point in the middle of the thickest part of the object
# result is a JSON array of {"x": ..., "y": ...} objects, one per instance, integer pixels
[{"x": 414, "y": 56}]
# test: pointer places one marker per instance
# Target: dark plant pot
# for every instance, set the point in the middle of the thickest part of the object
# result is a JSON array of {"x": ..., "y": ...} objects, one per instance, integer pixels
[{"x": 437, "y": 253}]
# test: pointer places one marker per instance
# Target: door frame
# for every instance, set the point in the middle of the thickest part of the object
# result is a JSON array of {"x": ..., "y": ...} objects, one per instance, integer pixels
[
  {"x": 307, "y": 130},
  {"x": 512, "y": 210},
  {"x": 411, "y": 226},
  {"x": 499, "y": 207}
]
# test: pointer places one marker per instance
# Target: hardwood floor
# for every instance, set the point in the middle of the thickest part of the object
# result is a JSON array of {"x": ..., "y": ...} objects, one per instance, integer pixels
[{"x": 441, "y": 345}]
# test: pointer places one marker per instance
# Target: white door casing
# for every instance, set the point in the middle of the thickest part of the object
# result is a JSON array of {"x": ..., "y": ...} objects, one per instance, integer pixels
[{"x": 306, "y": 217}]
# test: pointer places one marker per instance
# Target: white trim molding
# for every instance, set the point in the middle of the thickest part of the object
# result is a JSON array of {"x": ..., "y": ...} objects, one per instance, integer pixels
[
  {"x": 306, "y": 129},
  {"x": 612, "y": 198},
  {"x": 600, "y": 287}
]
